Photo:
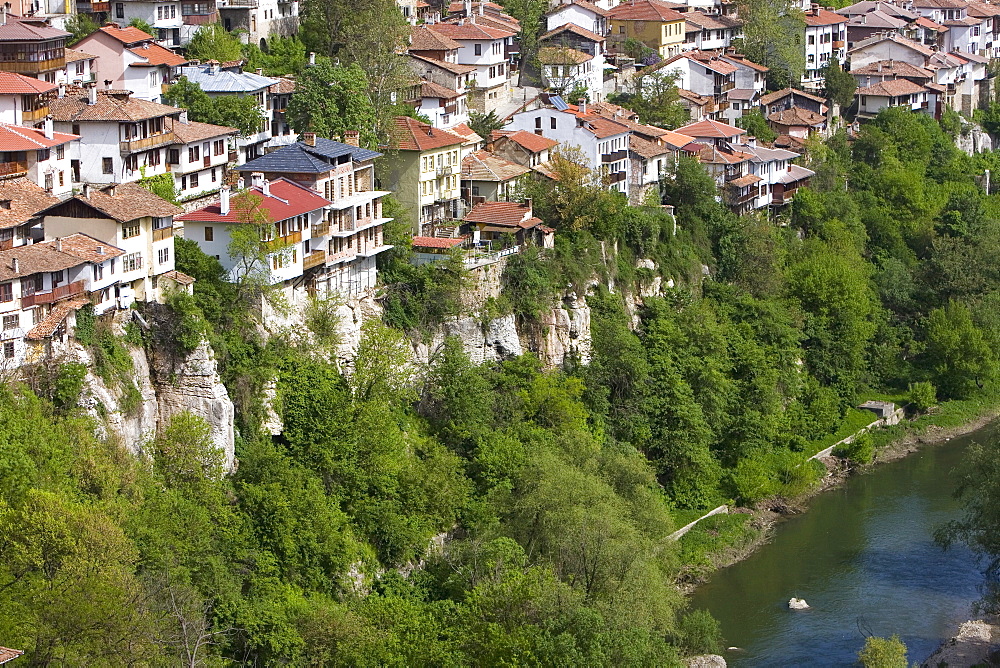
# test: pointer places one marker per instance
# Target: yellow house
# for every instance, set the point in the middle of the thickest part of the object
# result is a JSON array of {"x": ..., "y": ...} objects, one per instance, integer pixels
[
  {"x": 426, "y": 173},
  {"x": 657, "y": 24}
]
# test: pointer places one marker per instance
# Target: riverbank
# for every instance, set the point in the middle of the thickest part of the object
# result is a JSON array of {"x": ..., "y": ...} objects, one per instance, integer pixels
[
  {"x": 972, "y": 645},
  {"x": 724, "y": 540}
]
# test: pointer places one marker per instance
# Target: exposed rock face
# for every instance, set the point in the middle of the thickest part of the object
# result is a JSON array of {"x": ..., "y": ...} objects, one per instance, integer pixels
[
  {"x": 565, "y": 331},
  {"x": 706, "y": 661},
  {"x": 973, "y": 139},
  {"x": 194, "y": 385}
]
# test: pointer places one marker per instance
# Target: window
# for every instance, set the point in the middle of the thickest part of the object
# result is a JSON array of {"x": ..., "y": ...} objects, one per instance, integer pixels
[
  {"x": 538, "y": 123},
  {"x": 184, "y": 183},
  {"x": 193, "y": 181},
  {"x": 119, "y": 10},
  {"x": 6, "y": 292},
  {"x": 32, "y": 284},
  {"x": 60, "y": 151},
  {"x": 8, "y": 349},
  {"x": 173, "y": 156},
  {"x": 79, "y": 67},
  {"x": 478, "y": 49},
  {"x": 214, "y": 176},
  {"x": 209, "y": 233},
  {"x": 219, "y": 147},
  {"x": 98, "y": 272},
  {"x": 76, "y": 128},
  {"x": 163, "y": 255},
  {"x": 153, "y": 158},
  {"x": 552, "y": 123},
  {"x": 811, "y": 39},
  {"x": 130, "y": 230},
  {"x": 194, "y": 154},
  {"x": 57, "y": 278},
  {"x": 11, "y": 321},
  {"x": 62, "y": 178},
  {"x": 131, "y": 262},
  {"x": 107, "y": 166}
]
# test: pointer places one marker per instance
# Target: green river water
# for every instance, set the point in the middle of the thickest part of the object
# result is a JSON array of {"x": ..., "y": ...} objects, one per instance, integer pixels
[{"x": 864, "y": 558}]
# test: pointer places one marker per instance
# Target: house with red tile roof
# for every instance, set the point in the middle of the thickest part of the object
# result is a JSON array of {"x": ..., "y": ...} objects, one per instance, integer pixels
[
  {"x": 30, "y": 46},
  {"x": 486, "y": 48},
  {"x": 582, "y": 13},
  {"x": 42, "y": 155},
  {"x": 425, "y": 172},
  {"x": 706, "y": 74},
  {"x": 499, "y": 226},
  {"x": 488, "y": 177},
  {"x": 825, "y": 40},
  {"x": 130, "y": 59},
  {"x": 524, "y": 148},
  {"x": 603, "y": 141},
  {"x": 80, "y": 68},
  {"x": 657, "y": 24},
  {"x": 24, "y": 99}
]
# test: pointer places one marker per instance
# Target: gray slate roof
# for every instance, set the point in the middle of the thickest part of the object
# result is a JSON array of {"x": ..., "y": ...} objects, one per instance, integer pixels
[
  {"x": 224, "y": 81},
  {"x": 302, "y": 159}
]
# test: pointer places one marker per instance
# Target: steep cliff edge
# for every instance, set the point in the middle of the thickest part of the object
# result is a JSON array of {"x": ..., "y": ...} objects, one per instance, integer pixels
[{"x": 133, "y": 404}]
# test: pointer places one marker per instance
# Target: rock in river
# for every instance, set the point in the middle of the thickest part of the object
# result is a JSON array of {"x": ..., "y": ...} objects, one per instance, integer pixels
[{"x": 797, "y": 604}]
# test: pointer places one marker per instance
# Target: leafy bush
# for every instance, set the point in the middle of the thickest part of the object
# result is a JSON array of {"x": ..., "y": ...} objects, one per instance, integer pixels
[
  {"x": 922, "y": 395},
  {"x": 861, "y": 450},
  {"x": 883, "y": 653},
  {"x": 68, "y": 384},
  {"x": 188, "y": 326},
  {"x": 699, "y": 633}
]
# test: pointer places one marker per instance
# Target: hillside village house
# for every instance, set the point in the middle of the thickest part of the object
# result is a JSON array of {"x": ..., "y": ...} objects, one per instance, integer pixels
[
  {"x": 425, "y": 174},
  {"x": 445, "y": 107},
  {"x": 175, "y": 22},
  {"x": 131, "y": 60},
  {"x": 573, "y": 56},
  {"x": 20, "y": 219},
  {"x": 485, "y": 48},
  {"x": 258, "y": 20},
  {"x": 218, "y": 81},
  {"x": 128, "y": 217},
  {"x": 43, "y": 284},
  {"x": 486, "y": 177},
  {"x": 603, "y": 142},
  {"x": 524, "y": 148},
  {"x": 32, "y": 47},
  {"x": 44, "y": 156},
  {"x": 582, "y": 13},
  {"x": 344, "y": 173},
  {"x": 706, "y": 32},
  {"x": 80, "y": 68},
  {"x": 657, "y": 24},
  {"x": 825, "y": 40},
  {"x": 128, "y": 138},
  {"x": 492, "y": 224},
  {"x": 705, "y": 74}
]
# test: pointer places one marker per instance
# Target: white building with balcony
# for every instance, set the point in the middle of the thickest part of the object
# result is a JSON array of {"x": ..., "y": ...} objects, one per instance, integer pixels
[
  {"x": 825, "y": 40},
  {"x": 485, "y": 48},
  {"x": 258, "y": 20}
]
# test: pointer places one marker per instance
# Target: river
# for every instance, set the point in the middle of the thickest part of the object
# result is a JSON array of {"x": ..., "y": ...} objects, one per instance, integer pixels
[{"x": 864, "y": 558}]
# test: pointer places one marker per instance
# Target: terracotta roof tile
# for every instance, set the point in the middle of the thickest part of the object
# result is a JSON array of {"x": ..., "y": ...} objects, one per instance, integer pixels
[
  {"x": 179, "y": 277},
  {"x": 25, "y": 198},
  {"x": 463, "y": 130},
  {"x": 56, "y": 316},
  {"x": 505, "y": 214},
  {"x": 157, "y": 55},
  {"x": 130, "y": 201},
  {"x": 454, "y": 68},
  {"x": 899, "y": 68},
  {"x": 579, "y": 3},
  {"x": 422, "y": 38},
  {"x": 72, "y": 55},
  {"x": 18, "y": 84},
  {"x": 25, "y": 29},
  {"x": 86, "y": 247},
  {"x": 740, "y": 59},
  {"x": 284, "y": 86},
  {"x": 409, "y": 134},
  {"x": 785, "y": 92},
  {"x": 745, "y": 181},
  {"x": 823, "y": 17},
  {"x": 8, "y": 654},
  {"x": 431, "y": 89},
  {"x": 110, "y": 107},
  {"x": 435, "y": 242},
  {"x": 532, "y": 142},
  {"x": 710, "y": 128},
  {"x": 126, "y": 35},
  {"x": 471, "y": 31},
  {"x": 647, "y": 149},
  {"x": 288, "y": 199},
  {"x": 647, "y": 10},
  {"x": 891, "y": 88},
  {"x": 486, "y": 166},
  {"x": 576, "y": 30},
  {"x": 558, "y": 55},
  {"x": 796, "y": 116},
  {"x": 35, "y": 259},
  {"x": 18, "y": 138},
  {"x": 193, "y": 131}
]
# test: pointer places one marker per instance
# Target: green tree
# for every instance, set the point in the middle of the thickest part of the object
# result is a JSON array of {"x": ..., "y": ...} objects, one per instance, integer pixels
[
  {"x": 957, "y": 352},
  {"x": 253, "y": 246},
  {"x": 655, "y": 99},
  {"x": 284, "y": 55},
  {"x": 772, "y": 36},
  {"x": 79, "y": 26},
  {"x": 332, "y": 99},
  {"x": 838, "y": 85},
  {"x": 143, "y": 26},
  {"x": 756, "y": 125},
  {"x": 883, "y": 653},
  {"x": 242, "y": 113},
  {"x": 187, "y": 94},
  {"x": 213, "y": 42},
  {"x": 484, "y": 124}
]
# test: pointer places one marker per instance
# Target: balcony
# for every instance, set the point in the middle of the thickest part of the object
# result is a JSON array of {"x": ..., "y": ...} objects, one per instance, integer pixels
[
  {"x": 241, "y": 4},
  {"x": 34, "y": 114},
  {"x": 839, "y": 44},
  {"x": 724, "y": 88},
  {"x": 321, "y": 229},
  {"x": 314, "y": 259},
  {"x": 100, "y": 7},
  {"x": 134, "y": 145},
  {"x": 614, "y": 156},
  {"x": 56, "y": 294},
  {"x": 12, "y": 169},
  {"x": 293, "y": 238},
  {"x": 33, "y": 67},
  {"x": 162, "y": 234},
  {"x": 447, "y": 170},
  {"x": 617, "y": 177}
]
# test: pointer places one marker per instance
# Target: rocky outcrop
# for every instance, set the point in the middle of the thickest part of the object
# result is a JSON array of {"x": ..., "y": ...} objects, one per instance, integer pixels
[
  {"x": 972, "y": 645},
  {"x": 563, "y": 332},
  {"x": 973, "y": 139},
  {"x": 706, "y": 661},
  {"x": 193, "y": 384}
]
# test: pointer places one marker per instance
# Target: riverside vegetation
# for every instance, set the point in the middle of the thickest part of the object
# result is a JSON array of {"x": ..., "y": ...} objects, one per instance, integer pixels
[{"x": 556, "y": 488}]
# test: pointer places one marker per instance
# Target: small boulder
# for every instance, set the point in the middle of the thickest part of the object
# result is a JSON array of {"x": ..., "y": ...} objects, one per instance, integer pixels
[
  {"x": 706, "y": 661},
  {"x": 797, "y": 604}
]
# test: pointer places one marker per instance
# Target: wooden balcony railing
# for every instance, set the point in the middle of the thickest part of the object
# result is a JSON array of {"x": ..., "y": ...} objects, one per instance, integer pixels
[
  {"x": 293, "y": 238},
  {"x": 153, "y": 141},
  {"x": 15, "y": 168},
  {"x": 838, "y": 44},
  {"x": 314, "y": 259},
  {"x": 33, "y": 67},
  {"x": 56, "y": 294},
  {"x": 321, "y": 229},
  {"x": 162, "y": 234},
  {"x": 35, "y": 114}
]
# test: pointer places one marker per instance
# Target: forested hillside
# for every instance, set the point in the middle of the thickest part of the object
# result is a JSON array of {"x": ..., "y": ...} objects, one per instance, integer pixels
[{"x": 451, "y": 514}]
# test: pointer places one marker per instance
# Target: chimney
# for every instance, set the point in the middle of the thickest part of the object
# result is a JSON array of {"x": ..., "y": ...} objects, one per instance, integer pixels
[
  {"x": 14, "y": 265},
  {"x": 482, "y": 7},
  {"x": 352, "y": 137},
  {"x": 111, "y": 190},
  {"x": 260, "y": 71},
  {"x": 92, "y": 93},
  {"x": 224, "y": 200},
  {"x": 47, "y": 128},
  {"x": 100, "y": 250},
  {"x": 257, "y": 180},
  {"x": 59, "y": 244},
  {"x": 312, "y": 57},
  {"x": 62, "y": 90},
  {"x": 3, "y": 19},
  {"x": 241, "y": 183},
  {"x": 266, "y": 188},
  {"x": 86, "y": 191},
  {"x": 309, "y": 138},
  {"x": 582, "y": 103}
]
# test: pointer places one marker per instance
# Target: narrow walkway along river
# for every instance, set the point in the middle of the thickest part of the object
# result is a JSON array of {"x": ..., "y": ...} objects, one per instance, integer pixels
[{"x": 863, "y": 556}]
